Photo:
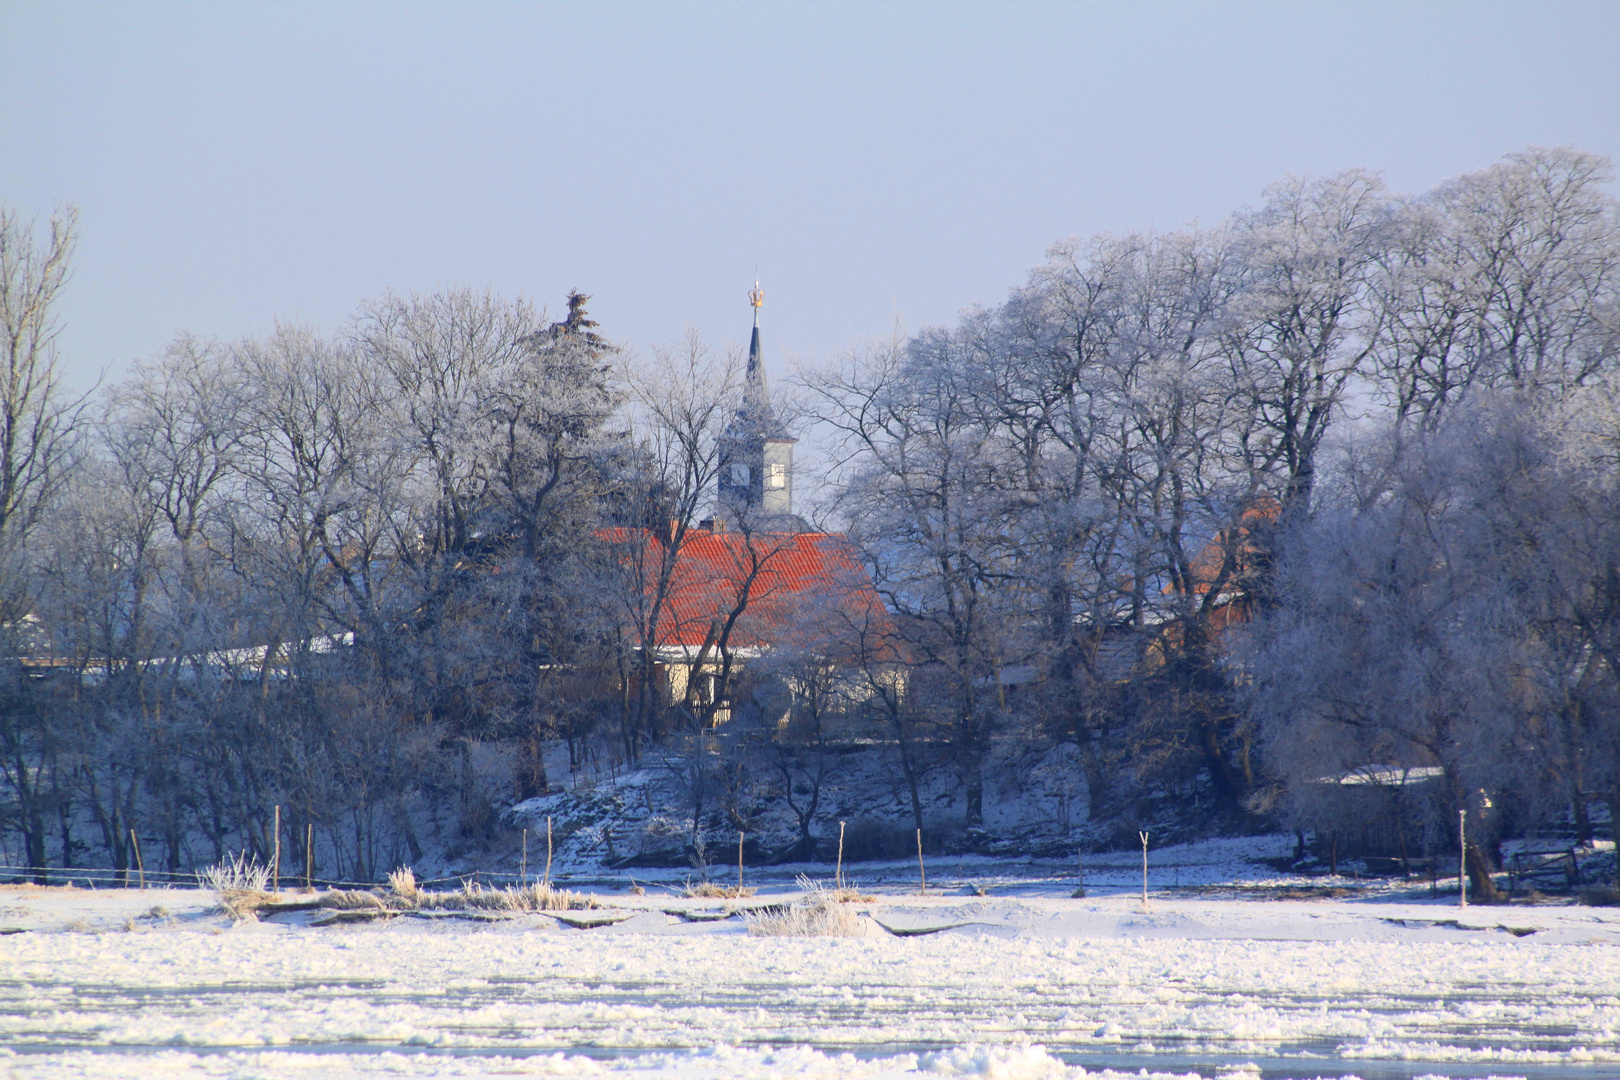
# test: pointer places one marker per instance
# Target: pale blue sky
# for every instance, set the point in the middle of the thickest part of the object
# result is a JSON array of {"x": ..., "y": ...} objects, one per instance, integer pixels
[{"x": 239, "y": 163}]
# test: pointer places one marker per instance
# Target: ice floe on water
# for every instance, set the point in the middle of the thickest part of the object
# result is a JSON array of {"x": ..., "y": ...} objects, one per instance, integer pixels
[{"x": 1024, "y": 982}]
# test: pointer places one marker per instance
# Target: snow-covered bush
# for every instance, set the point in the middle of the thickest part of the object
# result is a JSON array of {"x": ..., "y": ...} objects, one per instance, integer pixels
[
  {"x": 820, "y": 912},
  {"x": 473, "y": 897},
  {"x": 236, "y": 874},
  {"x": 402, "y": 883},
  {"x": 240, "y": 883}
]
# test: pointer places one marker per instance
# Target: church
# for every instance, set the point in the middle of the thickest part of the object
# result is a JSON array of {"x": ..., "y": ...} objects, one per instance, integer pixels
[
  {"x": 756, "y": 452},
  {"x": 755, "y": 580}
]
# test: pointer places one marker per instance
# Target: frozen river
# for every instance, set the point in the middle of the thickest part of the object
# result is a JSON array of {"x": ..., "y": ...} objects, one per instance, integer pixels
[{"x": 1028, "y": 986}]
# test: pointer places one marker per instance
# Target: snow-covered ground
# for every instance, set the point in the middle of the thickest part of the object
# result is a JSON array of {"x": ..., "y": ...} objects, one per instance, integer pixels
[{"x": 1207, "y": 981}]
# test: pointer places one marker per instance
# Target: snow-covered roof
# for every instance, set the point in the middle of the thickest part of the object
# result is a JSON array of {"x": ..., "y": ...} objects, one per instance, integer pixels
[{"x": 1384, "y": 775}]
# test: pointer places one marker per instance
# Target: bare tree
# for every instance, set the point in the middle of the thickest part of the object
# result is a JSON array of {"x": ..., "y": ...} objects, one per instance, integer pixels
[
  {"x": 38, "y": 422},
  {"x": 1505, "y": 277},
  {"x": 679, "y": 407}
]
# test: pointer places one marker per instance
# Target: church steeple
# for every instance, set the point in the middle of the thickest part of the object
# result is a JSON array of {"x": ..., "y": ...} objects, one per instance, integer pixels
[
  {"x": 756, "y": 452},
  {"x": 756, "y": 362}
]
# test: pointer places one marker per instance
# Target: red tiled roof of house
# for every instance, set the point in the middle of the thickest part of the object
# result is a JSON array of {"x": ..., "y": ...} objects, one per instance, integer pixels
[
  {"x": 805, "y": 589},
  {"x": 1206, "y": 567}
]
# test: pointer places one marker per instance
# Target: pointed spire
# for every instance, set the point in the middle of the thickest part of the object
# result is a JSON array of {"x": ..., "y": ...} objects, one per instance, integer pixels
[
  {"x": 756, "y": 361},
  {"x": 756, "y": 409},
  {"x": 756, "y": 452}
]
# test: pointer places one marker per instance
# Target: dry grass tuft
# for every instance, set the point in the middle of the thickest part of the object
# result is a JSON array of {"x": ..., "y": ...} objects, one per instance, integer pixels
[
  {"x": 818, "y": 913},
  {"x": 354, "y": 900},
  {"x": 540, "y": 897},
  {"x": 709, "y": 891},
  {"x": 848, "y": 895},
  {"x": 236, "y": 874},
  {"x": 403, "y": 895},
  {"x": 31, "y": 886},
  {"x": 244, "y": 904},
  {"x": 402, "y": 883},
  {"x": 240, "y": 883}
]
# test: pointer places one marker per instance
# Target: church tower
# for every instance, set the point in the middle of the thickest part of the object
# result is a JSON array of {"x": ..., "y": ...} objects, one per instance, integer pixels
[{"x": 756, "y": 452}]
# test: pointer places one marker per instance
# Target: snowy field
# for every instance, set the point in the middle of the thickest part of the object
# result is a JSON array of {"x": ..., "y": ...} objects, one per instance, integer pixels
[{"x": 1212, "y": 980}]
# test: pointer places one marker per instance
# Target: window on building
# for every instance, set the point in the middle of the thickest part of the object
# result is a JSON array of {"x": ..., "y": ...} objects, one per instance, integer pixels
[{"x": 776, "y": 475}]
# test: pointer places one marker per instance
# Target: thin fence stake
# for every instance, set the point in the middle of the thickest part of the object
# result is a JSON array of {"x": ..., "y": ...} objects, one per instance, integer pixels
[
  {"x": 922, "y": 874},
  {"x": 1462, "y": 858},
  {"x": 309, "y": 854},
  {"x": 739, "y": 862},
  {"x": 275, "y": 859},
  {"x": 523, "y": 866},
  {"x": 139, "y": 865},
  {"x": 548, "y": 851},
  {"x": 1144, "y": 837},
  {"x": 838, "y": 875}
]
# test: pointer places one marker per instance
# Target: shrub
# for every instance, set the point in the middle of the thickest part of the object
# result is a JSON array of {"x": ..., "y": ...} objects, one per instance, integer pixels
[
  {"x": 237, "y": 874},
  {"x": 402, "y": 883},
  {"x": 539, "y": 897},
  {"x": 818, "y": 913},
  {"x": 709, "y": 891},
  {"x": 240, "y": 884}
]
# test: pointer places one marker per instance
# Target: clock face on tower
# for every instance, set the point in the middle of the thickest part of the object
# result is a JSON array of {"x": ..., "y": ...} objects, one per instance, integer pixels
[{"x": 739, "y": 475}]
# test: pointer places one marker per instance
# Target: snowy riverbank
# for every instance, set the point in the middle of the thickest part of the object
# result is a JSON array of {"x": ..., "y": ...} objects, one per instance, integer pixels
[{"x": 1030, "y": 982}]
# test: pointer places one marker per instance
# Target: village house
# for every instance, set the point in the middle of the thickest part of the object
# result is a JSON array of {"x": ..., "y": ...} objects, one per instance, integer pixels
[{"x": 755, "y": 581}]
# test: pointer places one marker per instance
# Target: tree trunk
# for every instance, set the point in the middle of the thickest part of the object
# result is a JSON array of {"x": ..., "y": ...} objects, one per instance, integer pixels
[
  {"x": 1482, "y": 887},
  {"x": 974, "y": 817}
]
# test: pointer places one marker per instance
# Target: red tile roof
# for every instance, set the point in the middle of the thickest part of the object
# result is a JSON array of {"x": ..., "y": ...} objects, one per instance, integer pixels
[
  {"x": 806, "y": 589},
  {"x": 1206, "y": 567}
]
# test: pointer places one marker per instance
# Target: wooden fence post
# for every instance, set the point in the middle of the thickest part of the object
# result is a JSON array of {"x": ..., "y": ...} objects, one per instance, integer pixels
[
  {"x": 1462, "y": 858},
  {"x": 548, "y": 851},
  {"x": 838, "y": 874},
  {"x": 140, "y": 866},
  {"x": 1144, "y": 837}
]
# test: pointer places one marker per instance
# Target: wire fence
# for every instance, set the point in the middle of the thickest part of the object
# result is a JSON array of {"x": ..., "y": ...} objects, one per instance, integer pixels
[{"x": 110, "y": 877}]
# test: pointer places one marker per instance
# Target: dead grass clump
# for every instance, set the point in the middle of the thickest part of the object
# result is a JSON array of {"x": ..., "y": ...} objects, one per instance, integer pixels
[
  {"x": 34, "y": 886},
  {"x": 1601, "y": 897},
  {"x": 236, "y": 874},
  {"x": 848, "y": 895},
  {"x": 818, "y": 913},
  {"x": 707, "y": 890},
  {"x": 353, "y": 900},
  {"x": 473, "y": 897},
  {"x": 240, "y": 883},
  {"x": 403, "y": 895},
  {"x": 1314, "y": 892},
  {"x": 244, "y": 904},
  {"x": 402, "y": 883}
]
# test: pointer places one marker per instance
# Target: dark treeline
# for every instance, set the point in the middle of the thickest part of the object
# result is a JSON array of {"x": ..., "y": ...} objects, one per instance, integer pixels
[{"x": 1326, "y": 490}]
